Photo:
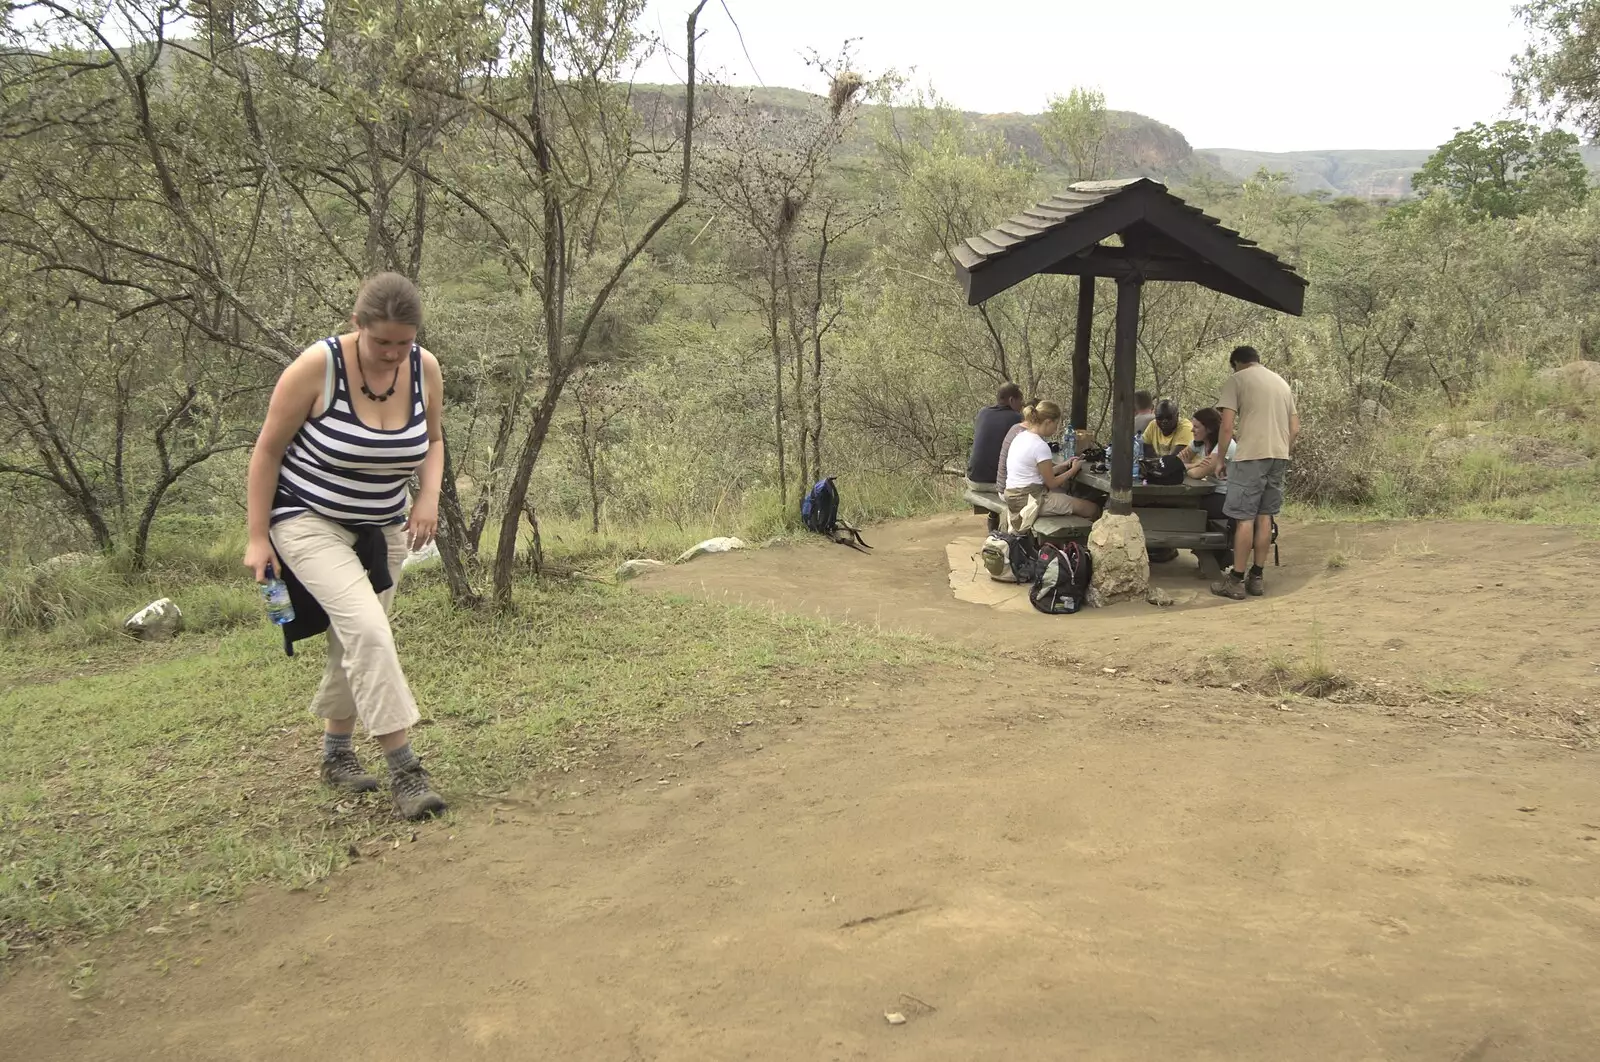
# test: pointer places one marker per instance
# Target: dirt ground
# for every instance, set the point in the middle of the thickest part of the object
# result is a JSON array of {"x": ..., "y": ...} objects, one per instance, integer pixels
[{"x": 1042, "y": 860}]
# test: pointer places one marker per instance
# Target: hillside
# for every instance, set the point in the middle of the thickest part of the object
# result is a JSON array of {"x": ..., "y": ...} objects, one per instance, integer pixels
[
  {"x": 1367, "y": 174},
  {"x": 1137, "y": 145}
]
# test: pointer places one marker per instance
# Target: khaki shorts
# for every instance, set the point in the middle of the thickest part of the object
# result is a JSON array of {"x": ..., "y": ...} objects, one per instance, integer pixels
[
  {"x": 363, "y": 678},
  {"x": 1255, "y": 488}
]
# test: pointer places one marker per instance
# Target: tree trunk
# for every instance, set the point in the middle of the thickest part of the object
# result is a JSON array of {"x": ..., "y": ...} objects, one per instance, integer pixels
[
  {"x": 777, "y": 377},
  {"x": 452, "y": 538},
  {"x": 816, "y": 405},
  {"x": 505, "y": 556}
]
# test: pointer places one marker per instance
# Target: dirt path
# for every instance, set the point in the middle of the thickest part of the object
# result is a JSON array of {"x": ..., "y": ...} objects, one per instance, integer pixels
[
  {"x": 1040, "y": 864},
  {"x": 1438, "y": 607}
]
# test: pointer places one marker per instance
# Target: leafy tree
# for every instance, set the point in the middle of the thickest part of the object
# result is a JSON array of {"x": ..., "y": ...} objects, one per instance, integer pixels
[
  {"x": 1559, "y": 73},
  {"x": 1507, "y": 169},
  {"x": 1074, "y": 133}
]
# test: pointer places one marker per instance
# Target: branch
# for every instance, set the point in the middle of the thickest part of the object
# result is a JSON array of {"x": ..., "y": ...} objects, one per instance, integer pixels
[{"x": 667, "y": 214}]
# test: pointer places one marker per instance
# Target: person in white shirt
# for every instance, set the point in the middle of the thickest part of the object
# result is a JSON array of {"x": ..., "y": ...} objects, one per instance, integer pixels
[{"x": 1033, "y": 473}]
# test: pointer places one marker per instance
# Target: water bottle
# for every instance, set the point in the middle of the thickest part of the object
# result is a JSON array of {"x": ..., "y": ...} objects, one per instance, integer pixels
[
  {"x": 1138, "y": 455},
  {"x": 1070, "y": 442},
  {"x": 280, "y": 609}
]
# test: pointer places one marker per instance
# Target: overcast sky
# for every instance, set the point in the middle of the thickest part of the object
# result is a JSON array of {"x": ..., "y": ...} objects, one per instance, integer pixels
[{"x": 1271, "y": 75}]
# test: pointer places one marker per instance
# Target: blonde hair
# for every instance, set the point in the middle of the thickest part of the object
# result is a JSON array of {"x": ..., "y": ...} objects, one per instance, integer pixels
[
  {"x": 388, "y": 297},
  {"x": 1041, "y": 413}
]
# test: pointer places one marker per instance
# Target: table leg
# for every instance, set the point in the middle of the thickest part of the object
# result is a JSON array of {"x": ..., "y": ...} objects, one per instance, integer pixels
[{"x": 1210, "y": 567}]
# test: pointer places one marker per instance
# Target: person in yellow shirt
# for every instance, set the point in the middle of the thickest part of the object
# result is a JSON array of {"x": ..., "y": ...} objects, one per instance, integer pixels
[{"x": 1168, "y": 434}]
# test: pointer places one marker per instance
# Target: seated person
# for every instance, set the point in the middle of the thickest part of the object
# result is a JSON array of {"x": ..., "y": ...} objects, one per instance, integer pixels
[
  {"x": 1032, "y": 473},
  {"x": 1168, "y": 433},
  {"x": 1144, "y": 411},
  {"x": 989, "y": 430},
  {"x": 1005, "y": 451},
  {"x": 1203, "y": 461}
]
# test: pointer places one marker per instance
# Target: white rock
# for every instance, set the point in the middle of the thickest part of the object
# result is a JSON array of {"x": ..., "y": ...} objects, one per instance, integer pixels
[
  {"x": 157, "y": 621},
  {"x": 1582, "y": 376},
  {"x": 712, "y": 545},
  {"x": 427, "y": 553},
  {"x": 1121, "y": 568},
  {"x": 632, "y": 568},
  {"x": 63, "y": 561}
]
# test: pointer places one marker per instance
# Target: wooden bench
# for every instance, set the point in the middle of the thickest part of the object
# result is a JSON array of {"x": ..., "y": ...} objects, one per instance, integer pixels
[{"x": 986, "y": 501}]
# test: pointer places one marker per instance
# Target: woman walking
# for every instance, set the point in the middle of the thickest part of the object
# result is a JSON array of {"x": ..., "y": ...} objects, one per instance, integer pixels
[{"x": 350, "y": 421}]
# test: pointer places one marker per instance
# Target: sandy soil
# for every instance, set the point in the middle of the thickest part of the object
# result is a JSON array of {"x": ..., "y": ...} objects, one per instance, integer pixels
[{"x": 1042, "y": 860}]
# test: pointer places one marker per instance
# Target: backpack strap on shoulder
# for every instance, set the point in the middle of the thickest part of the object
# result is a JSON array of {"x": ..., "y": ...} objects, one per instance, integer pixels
[{"x": 328, "y": 373}]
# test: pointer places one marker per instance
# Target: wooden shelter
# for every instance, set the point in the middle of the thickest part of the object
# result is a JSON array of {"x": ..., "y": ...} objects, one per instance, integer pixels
[{"x": 1159, "y": 237}]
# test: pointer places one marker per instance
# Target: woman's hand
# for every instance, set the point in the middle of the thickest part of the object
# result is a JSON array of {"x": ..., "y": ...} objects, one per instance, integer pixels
[
  {"x": 423, "y": 526},
  {"x": 260, "y": 558}
]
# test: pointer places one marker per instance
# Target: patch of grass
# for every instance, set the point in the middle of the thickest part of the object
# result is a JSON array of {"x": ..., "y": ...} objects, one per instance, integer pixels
[
  {"x": 190, "y": 774},
  {"x": 1220, "y": 666},
  {"x": 1455, "y": 688},
  {"x": 759, "y": 516},
  {"x": 1411, "y": 547},
  {"x": 1310, "y": 675},
  {"x": 43, "y": 597}
]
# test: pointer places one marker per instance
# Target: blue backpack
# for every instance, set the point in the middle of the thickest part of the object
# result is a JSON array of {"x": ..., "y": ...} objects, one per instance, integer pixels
[{"x": 819, "y": 512}]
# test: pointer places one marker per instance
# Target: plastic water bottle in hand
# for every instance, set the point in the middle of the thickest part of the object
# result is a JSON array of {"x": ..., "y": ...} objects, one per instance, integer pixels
[
  {"x": 280, "y": 609},
  {"x": 1138, "y": 455}
]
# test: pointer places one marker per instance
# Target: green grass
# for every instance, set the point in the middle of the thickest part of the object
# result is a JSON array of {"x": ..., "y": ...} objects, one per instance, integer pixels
[
  {"x": 758, "y": 517},
  {"x": 185, "y": 773},
  {"x": 1281, "y": 674}
]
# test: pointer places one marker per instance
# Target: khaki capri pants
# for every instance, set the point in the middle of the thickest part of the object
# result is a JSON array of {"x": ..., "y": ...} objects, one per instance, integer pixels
[
  {"x": 1051, "y": 502},
  {"x": 363, "y": 678}
]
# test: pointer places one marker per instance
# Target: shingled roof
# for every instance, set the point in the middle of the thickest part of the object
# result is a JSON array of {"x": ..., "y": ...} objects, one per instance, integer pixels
[{"x": 1162, "y": 238}]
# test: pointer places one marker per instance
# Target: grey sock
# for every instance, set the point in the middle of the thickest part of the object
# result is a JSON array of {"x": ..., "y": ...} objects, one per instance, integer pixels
[
  {"x": 401, "y": 758},
  {"x": 334, "y": 743}
]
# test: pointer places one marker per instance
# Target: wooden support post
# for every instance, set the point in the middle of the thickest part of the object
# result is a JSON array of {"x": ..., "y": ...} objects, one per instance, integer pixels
[
  {"x": 1080, "y": 354},
  {"x": 1124, "y": 367}
]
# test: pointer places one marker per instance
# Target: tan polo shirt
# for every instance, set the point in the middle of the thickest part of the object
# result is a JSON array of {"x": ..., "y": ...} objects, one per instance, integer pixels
[{"x": 1264, "y": 404}]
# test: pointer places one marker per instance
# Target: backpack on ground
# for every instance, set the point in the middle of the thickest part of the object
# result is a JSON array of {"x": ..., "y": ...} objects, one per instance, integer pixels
[
  {"x": 1011, "y": 556},
  {"x": 996, "y": 555},
  {"x": 1162, "y": 471},
  {"x": 1062, "y": 583},
  {"x": 1022, "y": 554},
  {"x": 819, "y": 512}
]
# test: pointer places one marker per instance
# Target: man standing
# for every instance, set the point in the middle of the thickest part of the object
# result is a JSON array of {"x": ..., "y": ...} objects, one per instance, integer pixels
[
  {"x": 1258, "y": 409},
  {"x": 1144, "y": 411},
  {"x": 990, "y": 430}
]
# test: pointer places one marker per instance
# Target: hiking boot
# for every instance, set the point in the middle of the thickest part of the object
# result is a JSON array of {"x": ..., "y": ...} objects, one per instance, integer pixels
[
  {"x": 414, "y": 798},
  {"x": 1230, "y": 588},
  {"x": 1254, "y": 585},
  {"x": 342, "y": 770}
]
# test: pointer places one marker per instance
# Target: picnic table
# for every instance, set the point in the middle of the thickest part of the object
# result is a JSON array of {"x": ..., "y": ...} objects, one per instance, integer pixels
[{"x": 1173, "y": 515}]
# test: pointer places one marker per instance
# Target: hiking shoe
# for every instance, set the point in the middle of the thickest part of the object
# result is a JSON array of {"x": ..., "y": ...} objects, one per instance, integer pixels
[
  {"x": 1254, "y": 585},
  {"x": 1230, "y": 588},
  {"x": 414, "y": 798},
  {"x": 342, "y": 770}
]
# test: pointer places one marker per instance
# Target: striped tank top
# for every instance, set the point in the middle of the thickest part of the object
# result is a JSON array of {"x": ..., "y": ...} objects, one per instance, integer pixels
[{"x": 337, "y": 467}]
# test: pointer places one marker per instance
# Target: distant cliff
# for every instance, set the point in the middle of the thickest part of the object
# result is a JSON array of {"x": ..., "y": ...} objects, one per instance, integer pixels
[
  {"x": 1366, "y": 174},
  {"x": 1136, "y": 146}
]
